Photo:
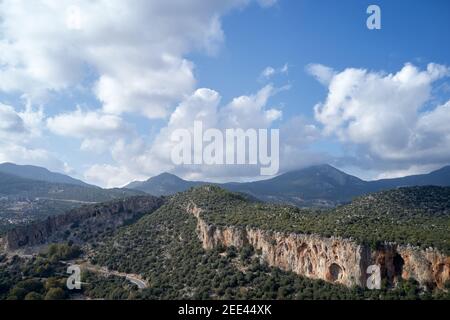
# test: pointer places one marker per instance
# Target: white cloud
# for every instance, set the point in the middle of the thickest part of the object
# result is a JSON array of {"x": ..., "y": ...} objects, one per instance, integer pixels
[
  {"x": 19, "y": 130},
  {"x": 269, "y": 71},
  {"x": 322, "y": 73},
  {"x": 251, "y": 111},
  {"x": 20, "y": 126},
  {"x": 134, "y": 48},
  {"x": 10, "y": 121},
  {"x": 110, "y": 176},
  {"x": 247, "y": 111},
  {"x": 114, "y": 49},
  {"x": 140, "y": 158},
  {"x": 388, "y": 117},
  {"x": 97, "y": 130}
]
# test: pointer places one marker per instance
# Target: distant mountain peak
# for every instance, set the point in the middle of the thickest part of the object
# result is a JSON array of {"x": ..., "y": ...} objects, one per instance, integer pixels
[
  {"x": 318, "y": 185},
  {"x": 39, "y": 174},
  {"x": 166, "y": 175}
]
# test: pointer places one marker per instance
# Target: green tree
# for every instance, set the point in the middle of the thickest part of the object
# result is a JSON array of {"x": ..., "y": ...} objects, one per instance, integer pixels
[
  {"x": 33, "y": 296},
  {"x": 55, "y": 294}
]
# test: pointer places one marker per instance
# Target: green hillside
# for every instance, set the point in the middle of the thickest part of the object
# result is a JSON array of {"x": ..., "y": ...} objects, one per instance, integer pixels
[
  {"x": 24, "y": 200},
  {"x": 418, "y": 216},
  {"x": 163, "y": 247}
]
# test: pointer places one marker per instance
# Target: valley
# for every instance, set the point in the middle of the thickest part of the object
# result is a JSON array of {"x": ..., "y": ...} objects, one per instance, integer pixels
[{"x": 210, "y": 243}]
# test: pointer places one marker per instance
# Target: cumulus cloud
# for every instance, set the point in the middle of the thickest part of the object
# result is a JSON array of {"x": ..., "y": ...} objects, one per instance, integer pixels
[
  {"x": 54, "y": 45},
  {"x": 131, "y": 55},
  {"x": 322, "y": 73},
  {"x": 388, "y": 117},
  {"x": 141, "y": 157},
  {"x": 19, "y": 131},
  {"x": 250, "y": 111},
  {"x": 10, "y": 121},
  {"x": 96, "y": 129},
  {"x": 20, "y": 126},
  {"x": 110, "y": 176}
]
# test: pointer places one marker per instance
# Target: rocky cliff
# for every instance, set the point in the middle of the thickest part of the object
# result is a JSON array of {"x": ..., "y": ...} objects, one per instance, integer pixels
[
  {"x": 332, "y": 259},
  {"x": 90, "y": 219}
]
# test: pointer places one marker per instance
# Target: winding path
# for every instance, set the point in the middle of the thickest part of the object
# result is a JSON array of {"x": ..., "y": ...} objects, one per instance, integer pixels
[{"x": 133, "y": 278}]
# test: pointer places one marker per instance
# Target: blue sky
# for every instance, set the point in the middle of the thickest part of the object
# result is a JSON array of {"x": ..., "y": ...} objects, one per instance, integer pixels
[{"x": 95, "y": 119}]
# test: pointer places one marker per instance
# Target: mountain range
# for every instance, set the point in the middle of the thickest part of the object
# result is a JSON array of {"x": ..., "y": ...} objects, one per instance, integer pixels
[
  {"x": 321, "y": 185},
  {"x": 209, "y": 243}
]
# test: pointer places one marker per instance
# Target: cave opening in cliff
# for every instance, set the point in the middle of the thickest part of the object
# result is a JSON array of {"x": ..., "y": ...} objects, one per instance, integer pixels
[
  {"x": 398, "y": 264},
  {"x": 335, "y": 272}
]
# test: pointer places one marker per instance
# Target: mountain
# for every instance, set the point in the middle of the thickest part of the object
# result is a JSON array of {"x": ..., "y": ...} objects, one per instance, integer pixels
[
  {"x": 82, "y": 224},
  {"x": 163, "y": 184},
  {"x": 321, "y": 186},
  {"x": 23, "y": 200},
  {"x": 210, "y": 243},
  {"x": 39, "y": 173},
  {"x": 210, "y": 222},
  {"x": 440, "y": 177},
  {"x": 12, "y": 186}
]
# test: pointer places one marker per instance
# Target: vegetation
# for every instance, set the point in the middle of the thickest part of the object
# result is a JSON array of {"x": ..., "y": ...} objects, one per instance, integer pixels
[
  {"x": 164, "y": 248},
  {"x": 418, "y": 216},
  {"x": 24, "y": 200},
  {"x": 58, "y": 252},
  {"x": 33, "y": 279}
]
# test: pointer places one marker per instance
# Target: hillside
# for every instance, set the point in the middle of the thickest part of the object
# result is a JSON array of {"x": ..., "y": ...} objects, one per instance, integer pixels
[
  {"x": 209, "y": 243},
  {"x": 418, "y": 216},
  {"x": 23, "y": 200},
  {"x": 82, "y": 224},
  {"x": 164, "y": 248},
  {"x": 239, "y": 237},
  {"x": 16, "y": 187}
]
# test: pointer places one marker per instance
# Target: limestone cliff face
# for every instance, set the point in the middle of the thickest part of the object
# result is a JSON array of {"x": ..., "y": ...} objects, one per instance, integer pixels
[
  {"x": 92, "y": 218},
  {"x": 332, "y": 259}
]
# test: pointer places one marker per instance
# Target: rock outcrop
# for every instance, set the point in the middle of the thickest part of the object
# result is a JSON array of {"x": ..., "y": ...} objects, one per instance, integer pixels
[
  {"x": 92, "y": 218},
  {"x": 333, "y": 259}
]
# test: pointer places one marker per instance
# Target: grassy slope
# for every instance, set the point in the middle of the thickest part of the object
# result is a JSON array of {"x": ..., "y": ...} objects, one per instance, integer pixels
[
  {"x": 418, "y": 216},
  {"x": 164, "y": 248}
]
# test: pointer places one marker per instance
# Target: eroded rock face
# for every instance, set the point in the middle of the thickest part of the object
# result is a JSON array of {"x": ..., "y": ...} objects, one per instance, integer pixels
[
  {"x": 332, "y": 259},
  {"x": 93, "y": 218}
]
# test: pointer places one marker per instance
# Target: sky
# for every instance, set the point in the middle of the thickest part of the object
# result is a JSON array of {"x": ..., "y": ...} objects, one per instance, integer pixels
[{"x": 95, "y": 89}]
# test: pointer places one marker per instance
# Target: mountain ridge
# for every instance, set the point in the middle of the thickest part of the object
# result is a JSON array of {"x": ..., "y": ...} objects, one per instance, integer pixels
[
  {"x": 39, "y": 174},
  {"x": 319, "y": 185},
  {"x": 23, "y": 200}
]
